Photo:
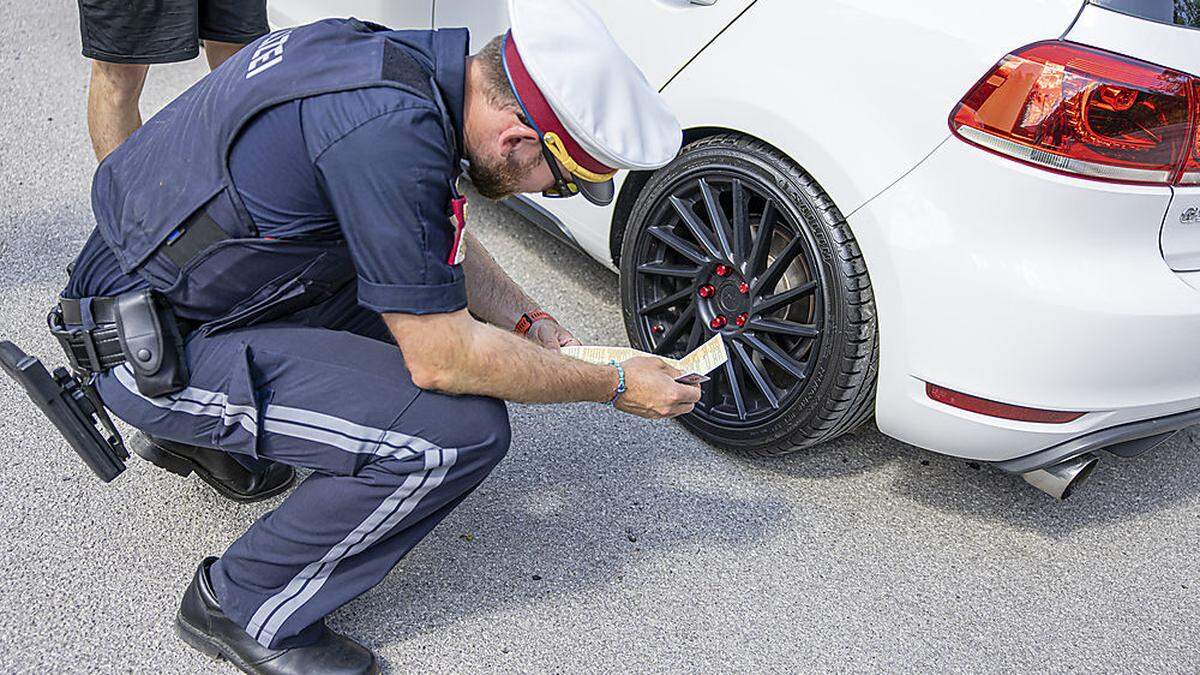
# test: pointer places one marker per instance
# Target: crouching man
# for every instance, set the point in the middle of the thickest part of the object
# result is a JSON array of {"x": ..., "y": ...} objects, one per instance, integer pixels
[{"x": 298, "y": 213}]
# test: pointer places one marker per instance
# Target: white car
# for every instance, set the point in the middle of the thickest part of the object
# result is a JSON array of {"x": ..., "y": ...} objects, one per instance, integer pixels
[{"x": 978, "y": 221}]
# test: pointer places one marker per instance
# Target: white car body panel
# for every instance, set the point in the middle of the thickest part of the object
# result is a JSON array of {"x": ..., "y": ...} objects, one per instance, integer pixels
[
  {"x": 866, "y": 87},
  {"x": 990, "y": 277},
  {"x": 1058, "y": 300},
  {"x": 485, "y": 18},
  {"x": 1181, "y": 231},
  {"x": 394, "y": 13},
  {"x": 730, "y": 86},
  {"x": 1160, "y": 43},
  {"x": 659, "y": 35}
]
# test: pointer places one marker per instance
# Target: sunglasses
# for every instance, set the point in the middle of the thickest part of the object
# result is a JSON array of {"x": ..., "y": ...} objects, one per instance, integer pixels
[{"x": 563, "y": 187}]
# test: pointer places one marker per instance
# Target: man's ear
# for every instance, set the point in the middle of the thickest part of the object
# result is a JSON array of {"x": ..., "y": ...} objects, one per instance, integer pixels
[{"x": 513, "y": 135}]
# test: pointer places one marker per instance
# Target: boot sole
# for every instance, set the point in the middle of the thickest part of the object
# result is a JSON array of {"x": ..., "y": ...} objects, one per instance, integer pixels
[
  {"x": 207, "y": 645},
  {"x": 181, "y": 466}
]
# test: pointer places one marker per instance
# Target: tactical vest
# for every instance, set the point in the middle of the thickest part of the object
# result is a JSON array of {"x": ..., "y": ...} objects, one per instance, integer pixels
[{"x": 164, "y": 200}]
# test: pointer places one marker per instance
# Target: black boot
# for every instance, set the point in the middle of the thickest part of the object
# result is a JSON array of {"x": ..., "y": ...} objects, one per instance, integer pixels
[
  {"x": 201, "y": 624},
  {"x": 217, "y": 468}
]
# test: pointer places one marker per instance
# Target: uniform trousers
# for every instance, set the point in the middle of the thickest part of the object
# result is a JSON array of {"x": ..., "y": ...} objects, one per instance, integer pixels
[{"x": 325, "y": 389}]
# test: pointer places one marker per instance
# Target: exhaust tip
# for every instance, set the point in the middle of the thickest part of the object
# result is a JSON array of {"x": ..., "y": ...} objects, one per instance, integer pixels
[{"x": 1061, "y": 480}]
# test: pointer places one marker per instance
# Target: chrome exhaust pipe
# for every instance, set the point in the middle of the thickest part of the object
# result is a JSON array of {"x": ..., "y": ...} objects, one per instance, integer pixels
[{"x": 1060, "y": 480}]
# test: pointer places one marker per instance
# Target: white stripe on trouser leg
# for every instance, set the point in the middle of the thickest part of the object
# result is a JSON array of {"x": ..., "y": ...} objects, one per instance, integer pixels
[
  {"x": 285, "y": 421},
  {"x": 195, "y": 401},
  {"x": 395, "y": 508},
  {"x": 385, "y": 441}
]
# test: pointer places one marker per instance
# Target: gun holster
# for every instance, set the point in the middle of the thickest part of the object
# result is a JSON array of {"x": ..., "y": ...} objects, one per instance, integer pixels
[
  {"x": 151, "y": 342},
  {"x": 138, "y": 329},
  {"x": 74, "y": 408}
]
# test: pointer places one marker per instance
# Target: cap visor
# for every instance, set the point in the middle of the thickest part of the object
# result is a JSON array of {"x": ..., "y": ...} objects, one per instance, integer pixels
[{"x": 600, "y": 194}]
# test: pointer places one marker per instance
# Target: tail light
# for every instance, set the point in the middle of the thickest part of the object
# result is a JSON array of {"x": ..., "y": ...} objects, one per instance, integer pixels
[
  {"x": 1191, "y": 172},
  {"x": 1086, "y": 112}
]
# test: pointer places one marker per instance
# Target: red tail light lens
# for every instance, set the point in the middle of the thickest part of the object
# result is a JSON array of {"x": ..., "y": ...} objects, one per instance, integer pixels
[
  {"x": 983, "y": 406},
  {"x": 1085, "y": 112},
  {"x": 1191, "y": 172}
]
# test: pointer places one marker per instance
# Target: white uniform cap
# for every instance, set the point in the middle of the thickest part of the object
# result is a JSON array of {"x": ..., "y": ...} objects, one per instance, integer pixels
[{"x": 577, "y": 85}]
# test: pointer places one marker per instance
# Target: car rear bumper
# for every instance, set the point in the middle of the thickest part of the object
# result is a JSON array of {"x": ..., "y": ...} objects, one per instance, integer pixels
[
  {"x": 1126, "y": 440},
  {"x": 1034, "y": 289}
]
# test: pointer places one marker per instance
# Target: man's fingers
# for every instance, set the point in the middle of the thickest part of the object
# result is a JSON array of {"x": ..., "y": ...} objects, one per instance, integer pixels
[
  {"x": 682, "y": 409},
  {"x": 675, "y": 373},
  {"x": 688, "y": 393}
]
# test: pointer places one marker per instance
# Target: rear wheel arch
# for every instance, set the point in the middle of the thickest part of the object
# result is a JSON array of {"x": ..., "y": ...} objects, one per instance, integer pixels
[{"x": 634, "y": 183}]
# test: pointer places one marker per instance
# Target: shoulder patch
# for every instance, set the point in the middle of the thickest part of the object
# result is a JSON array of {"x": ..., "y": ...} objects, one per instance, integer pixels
[{"x": 402, "y": 68}]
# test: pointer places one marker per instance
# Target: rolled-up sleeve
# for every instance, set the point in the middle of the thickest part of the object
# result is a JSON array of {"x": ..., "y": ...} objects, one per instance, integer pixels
[{"x": 389, "y": 182}]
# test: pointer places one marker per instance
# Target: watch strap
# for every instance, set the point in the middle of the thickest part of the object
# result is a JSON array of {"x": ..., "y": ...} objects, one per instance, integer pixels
[{"x": 527, "y": 320}]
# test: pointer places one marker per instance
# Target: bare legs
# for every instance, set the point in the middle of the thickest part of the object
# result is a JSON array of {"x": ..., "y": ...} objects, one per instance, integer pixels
[
  {"x": 218, "y": 52},
  {"x": 112, "y": 109}
]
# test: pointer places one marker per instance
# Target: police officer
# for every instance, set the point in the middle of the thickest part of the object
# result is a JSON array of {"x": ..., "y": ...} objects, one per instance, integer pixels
[{"x": 298, "y": 211}]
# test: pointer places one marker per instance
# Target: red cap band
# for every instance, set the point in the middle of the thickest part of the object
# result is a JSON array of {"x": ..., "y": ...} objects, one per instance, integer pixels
[{"x": 539, "y": 110}]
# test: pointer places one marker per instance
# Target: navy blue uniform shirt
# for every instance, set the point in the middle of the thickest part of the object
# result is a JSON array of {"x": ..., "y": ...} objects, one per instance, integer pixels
[{"x": 371, "y": 167}]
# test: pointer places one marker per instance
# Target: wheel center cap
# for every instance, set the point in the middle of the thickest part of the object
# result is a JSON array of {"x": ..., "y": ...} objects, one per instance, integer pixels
[{"x": 730, "y": 298}]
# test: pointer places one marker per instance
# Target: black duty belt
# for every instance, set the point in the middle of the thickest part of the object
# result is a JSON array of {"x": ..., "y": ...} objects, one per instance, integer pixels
[
  {"x": 98, "y": 349},
  {"x": 104, "y": 310},
  {"x": 88, "y": 351}
]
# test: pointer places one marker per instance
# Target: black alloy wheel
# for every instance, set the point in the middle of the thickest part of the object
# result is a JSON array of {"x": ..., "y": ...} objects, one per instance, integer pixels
[{"x": 734, "y": 239}]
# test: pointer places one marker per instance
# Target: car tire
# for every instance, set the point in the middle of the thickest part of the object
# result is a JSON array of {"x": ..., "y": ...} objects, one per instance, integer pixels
[{"x": 734, "y": 232}]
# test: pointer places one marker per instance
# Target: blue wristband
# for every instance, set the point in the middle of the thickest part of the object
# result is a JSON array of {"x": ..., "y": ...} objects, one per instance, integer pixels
[{"x": 620, "y": 381}]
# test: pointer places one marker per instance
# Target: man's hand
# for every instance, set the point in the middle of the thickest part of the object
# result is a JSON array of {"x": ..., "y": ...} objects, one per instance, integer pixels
[
  {"x": 455, "y": 354},
  {"x": 652, "y": 392},
  {"x": 549, "y": 334}
]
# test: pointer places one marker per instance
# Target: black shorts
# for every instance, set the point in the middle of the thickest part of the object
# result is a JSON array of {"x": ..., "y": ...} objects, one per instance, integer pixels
[{"x": 165, "y": 31}]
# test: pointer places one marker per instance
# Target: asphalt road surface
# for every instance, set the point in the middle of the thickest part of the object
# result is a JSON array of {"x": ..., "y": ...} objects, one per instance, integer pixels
[{"x": 603, "y": 542}]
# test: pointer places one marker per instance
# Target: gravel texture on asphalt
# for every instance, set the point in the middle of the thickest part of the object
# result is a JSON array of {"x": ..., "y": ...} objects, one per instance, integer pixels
[{"x": 603, "y": 542}]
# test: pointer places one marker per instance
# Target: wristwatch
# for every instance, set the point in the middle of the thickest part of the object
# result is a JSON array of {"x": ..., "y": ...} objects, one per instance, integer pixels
[{"x": 527, "y": 320}]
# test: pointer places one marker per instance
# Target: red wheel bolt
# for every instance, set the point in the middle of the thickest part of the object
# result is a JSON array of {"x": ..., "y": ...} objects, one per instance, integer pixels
[
  {"x": 707, "y": 291},
  {"x": 742, "y": 319},
  {"x": 744, "y": 288},
  {"x": 723, "y": 270},
  {"x": 718, "y": 322},
  {"x": 658, "y": 329}
]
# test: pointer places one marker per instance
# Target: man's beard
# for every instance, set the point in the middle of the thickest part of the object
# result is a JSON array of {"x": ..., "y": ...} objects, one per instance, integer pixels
[{"x": 500, "y": 179}]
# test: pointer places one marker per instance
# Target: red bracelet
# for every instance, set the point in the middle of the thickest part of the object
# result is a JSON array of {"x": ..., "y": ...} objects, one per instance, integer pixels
[{"x": 527, "y": 321}]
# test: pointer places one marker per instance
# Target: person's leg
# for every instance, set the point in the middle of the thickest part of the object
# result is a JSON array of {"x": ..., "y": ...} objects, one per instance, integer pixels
[
  {"x": 318, "y": 561},
  {"x": 122, "y": 39},
  {"x": 390, "y": 462},
  {"x": 228, "y": 25},
  {"x": 219, "y": 52},
  {"x": 112, "y": 111}
]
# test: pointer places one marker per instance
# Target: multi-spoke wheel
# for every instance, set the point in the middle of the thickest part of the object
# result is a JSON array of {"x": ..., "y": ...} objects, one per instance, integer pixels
[{"x": 734, "y": 239}]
